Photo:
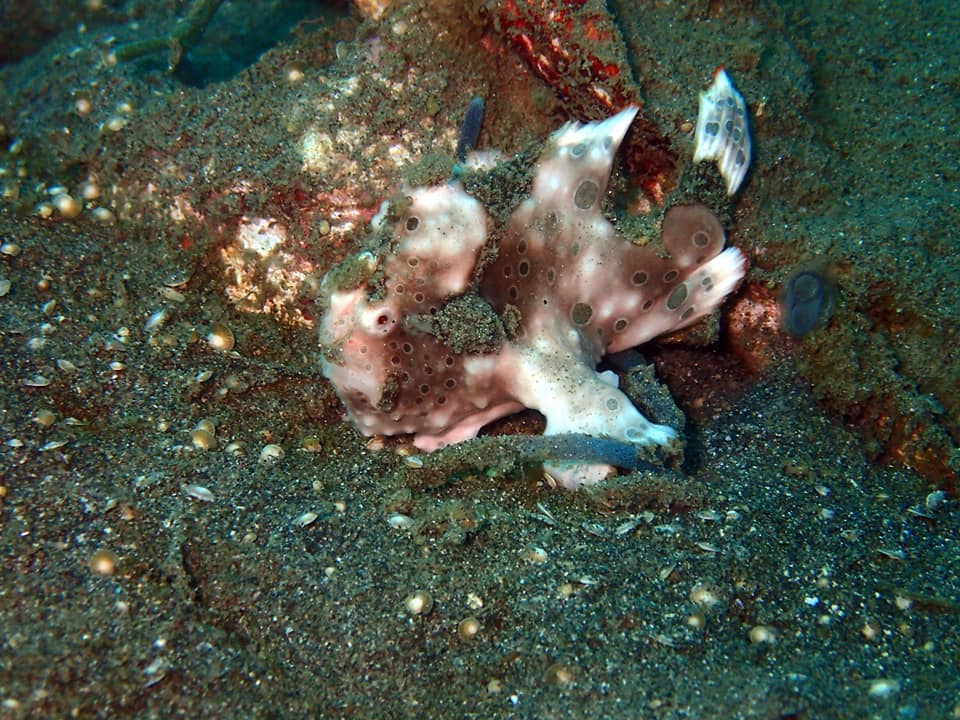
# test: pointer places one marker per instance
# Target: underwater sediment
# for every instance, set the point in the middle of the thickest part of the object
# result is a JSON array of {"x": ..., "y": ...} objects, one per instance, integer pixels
[{"x": 189, "y": 525}]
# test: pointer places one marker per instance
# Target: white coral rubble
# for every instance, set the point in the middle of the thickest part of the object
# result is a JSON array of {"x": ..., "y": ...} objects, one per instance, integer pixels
[{"x": 421, "y": 340}]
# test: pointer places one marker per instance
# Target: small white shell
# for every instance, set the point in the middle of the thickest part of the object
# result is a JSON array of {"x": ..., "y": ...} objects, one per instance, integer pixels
[
  {"x": 156, "y": 321},
  {"x": 67, "y": 205},
  {"x": 399, "y": 521},
  {"x": 45, "y": 417},
  {"x": 762, "y": 634},
  {"x": 53, "y": 445},
  {"x": 206, "y": 424},
  {"x": 177, "y": 278},
  {"x": 534, "y": 554},
  {"x": 305, "y": 519},
  {"x": 935, "y": 500},
  {"x": 235, "y": 448},
  {"x": 221, "y": 338},
  {"x": 627, "y": 526},
  {"x": 418, "y": 603},
  {"x": 544, "y": 516},
  {"x": 171, "y": 294},
  {"x": 89, "y": 190},
  {"x": 198, "y": 492},
  {"x": 893, "y": 553},
  {"x": 594, "y": 528},
  {"x": 883, "y": 687},
  {"x": 203, "y": 439},
  {"x": 271, "y": 453},
  {"x": 103, "y": 215}
]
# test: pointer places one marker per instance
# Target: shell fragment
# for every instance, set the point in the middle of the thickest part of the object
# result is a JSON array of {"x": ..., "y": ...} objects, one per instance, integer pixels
[{"x": 722, "y": 133}]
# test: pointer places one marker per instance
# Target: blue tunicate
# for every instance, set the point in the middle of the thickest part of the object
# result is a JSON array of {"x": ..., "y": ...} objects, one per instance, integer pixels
[
  {"x": 470, "y": 129},
  {"x": 805, "y": 301}
]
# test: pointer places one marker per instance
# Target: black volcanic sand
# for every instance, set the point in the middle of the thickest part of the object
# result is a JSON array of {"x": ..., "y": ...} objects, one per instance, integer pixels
[{"x": 780, "y": 573}]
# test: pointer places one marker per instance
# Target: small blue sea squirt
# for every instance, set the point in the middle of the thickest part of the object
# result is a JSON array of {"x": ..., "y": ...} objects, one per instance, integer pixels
[
  {"x": 470, "y": 129},
  {"x": 806, "y": 300}
]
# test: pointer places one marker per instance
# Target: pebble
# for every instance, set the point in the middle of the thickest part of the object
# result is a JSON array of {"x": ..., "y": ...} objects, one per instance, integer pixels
[
  {"x": 103, "y": 562},
  {"x": 418, "y": 603}
]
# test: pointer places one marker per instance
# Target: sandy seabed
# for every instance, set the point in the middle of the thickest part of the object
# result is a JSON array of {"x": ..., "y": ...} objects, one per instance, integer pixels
[{"x": 787, "y": 570}]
